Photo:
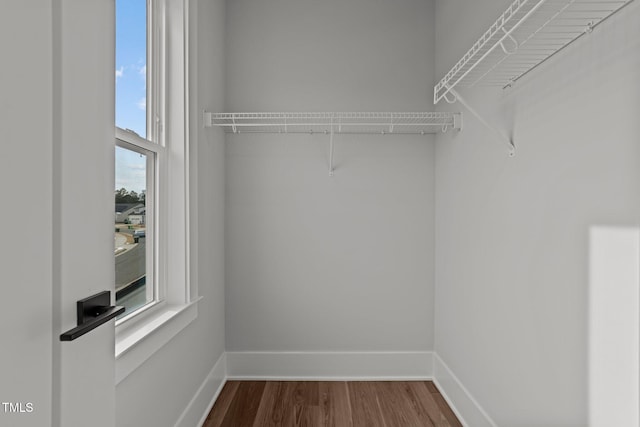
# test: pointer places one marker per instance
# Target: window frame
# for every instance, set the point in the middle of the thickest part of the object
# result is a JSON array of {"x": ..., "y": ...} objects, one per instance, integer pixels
[
  {"x": 132, "y": 142},
  {"x": 155, "y": 143},
  {"x": 145, "y": 332}
]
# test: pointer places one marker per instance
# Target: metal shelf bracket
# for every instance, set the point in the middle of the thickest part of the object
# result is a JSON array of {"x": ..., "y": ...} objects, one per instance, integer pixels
[
  {"x": 502, "y": 137},
  {"x": 331, "y": 149},
  {"x": 515, "y": 43}
]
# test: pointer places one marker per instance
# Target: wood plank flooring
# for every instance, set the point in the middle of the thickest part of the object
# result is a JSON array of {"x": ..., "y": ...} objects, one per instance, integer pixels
[{"x": 331, "y": 403}]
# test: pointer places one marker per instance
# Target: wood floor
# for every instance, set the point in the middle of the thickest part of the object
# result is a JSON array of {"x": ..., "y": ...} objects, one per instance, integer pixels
[{"x": 331, "y": 403}]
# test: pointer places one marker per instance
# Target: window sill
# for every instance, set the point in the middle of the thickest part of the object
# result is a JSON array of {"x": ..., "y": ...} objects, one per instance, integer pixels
[{"x": 135, "y": 345}]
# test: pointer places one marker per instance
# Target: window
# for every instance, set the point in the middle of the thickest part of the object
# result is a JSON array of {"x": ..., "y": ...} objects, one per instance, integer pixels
[
  {"x": 135, "y": 210},
  {"x": 138, "y": 153},
  {"x": 151, "y": 192}
]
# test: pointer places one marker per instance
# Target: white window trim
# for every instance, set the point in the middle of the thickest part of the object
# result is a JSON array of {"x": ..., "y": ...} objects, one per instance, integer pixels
[
  {"x": 138, "y": 344},
  {"x": 155, "y": 282},
  {"x": 140, "y": 337}
]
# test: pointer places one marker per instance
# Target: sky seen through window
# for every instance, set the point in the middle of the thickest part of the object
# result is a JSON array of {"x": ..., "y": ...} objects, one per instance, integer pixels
[{"x": 131, "y": 89}]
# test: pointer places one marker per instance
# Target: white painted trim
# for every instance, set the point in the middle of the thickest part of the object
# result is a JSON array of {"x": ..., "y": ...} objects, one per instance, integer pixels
[
  {"x": 206, "y": 395},
  {"x": 330, "y": 365},
  {"x": 136, "y": 345},
  {"x": 462, "y": 403},
  {"x": 336, "y": 366}
]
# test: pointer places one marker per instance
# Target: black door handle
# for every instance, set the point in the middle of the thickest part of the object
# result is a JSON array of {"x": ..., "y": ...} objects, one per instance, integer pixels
[{"x": 91, "y": 313}]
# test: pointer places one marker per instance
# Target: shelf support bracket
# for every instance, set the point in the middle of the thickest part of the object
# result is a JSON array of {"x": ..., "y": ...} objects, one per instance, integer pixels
[
  {"x": 515, "y": 43},
  {"x": 447, "y": 95},
  {"x": 207, "y": 119},
  {"x": 507, "y": 141},
  {"x": 331, "y": 149}
]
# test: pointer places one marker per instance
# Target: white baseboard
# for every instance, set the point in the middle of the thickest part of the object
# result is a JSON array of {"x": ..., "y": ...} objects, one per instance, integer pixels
[
  {"x": 202, "y": 402},
  {"x": 330, "y": 365},
  {"x": 341, "y": 366},
  {"x": 463, "y": 404}
]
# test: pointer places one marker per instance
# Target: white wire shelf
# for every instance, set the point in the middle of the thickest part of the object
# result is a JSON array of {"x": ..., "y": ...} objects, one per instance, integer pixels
[
  {"x": 528, "y": 33},
  {"x": 337, "y": 123}
]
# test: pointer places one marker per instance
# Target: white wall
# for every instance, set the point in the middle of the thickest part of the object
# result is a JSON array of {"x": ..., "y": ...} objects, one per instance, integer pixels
[
  {"x": 319, "y": 263},
  {"x": 512, "y": 235},
  {"x": 158, "y": 392},
  {"x": 25, "y": 177}
]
